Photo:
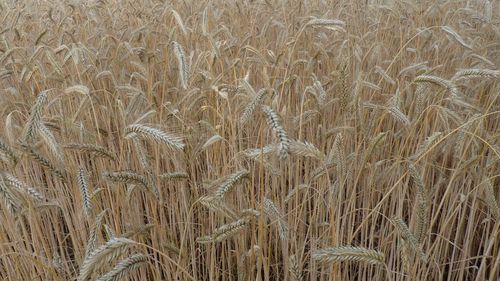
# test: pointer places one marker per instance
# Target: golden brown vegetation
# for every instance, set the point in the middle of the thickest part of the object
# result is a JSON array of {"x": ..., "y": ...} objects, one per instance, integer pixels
[{"x": 249, "y": 140}]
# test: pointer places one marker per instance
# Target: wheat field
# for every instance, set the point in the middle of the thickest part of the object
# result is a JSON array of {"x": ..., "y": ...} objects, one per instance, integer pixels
[{"x": 250, "y": 140}]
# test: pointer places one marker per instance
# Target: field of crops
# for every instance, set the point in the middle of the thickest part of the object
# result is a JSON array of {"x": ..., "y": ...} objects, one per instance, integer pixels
[{"x": 250, "y": 140}]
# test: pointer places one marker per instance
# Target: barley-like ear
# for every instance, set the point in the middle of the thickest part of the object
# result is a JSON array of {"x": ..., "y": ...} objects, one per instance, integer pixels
[
  {"x": 35, "y": 118},
  {"x": 141, "y": 152},
  {"x": 124, "y": 267},
  {"x": 91, "y": 148},
  {"x": 245, "y": 85},
  {"x": 466, "y": 74},
  {"x": 211, "y": 141},
  {"x": 399, "y": 115},
  {"x": 349, "y": 253},
  {"x": 252, "y": 106},
  {"x": 453, "y": 34},
  {"x": 230, "y": 181},
  {"x": 225, "y": 231},
  {"x": 94, "y": 230},
  {"x": 43, "y": 161},
  {"x": 423, "y": 210},
  {"x": 126, "y": 177},
  {"x": 156, "y": 135},
  {"x": 102, "y": 256},
  {"x": 255, "y": 153},
  {"x": 409, "y": 238},
  {"x": 274, "y": 121},
  {"x": 295, "y": 268},
  {"x": 14, "y": 182},
  {"x": 11, "y": 201},
  {"x": 274, "y": 214},
  {"x": 182, "y": 64},
  {"x": 82, "y": 183},
  {"x": 447, "y": 84},
  {"x": 178, "y": 20},
  {"x": 345, "y": 91},
  {"x": 7, "y": 154},
  {"x": 217, "y": 205},
  {"x": 423, "y": 147},
  {"x": 328, "y": 23},
  {"x": 175, "y": 176},
  {"x": 306, "y": 149},
  {"x": 82, "y": 89},
  {"x": 489, "y": 198},
  {"x": 337, "y": 156},
  {"x": 51, "y": 142},
  {"x": 374, "y": 143}
]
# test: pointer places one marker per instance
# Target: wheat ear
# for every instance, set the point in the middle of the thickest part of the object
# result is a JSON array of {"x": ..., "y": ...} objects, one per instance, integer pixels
[
  {"x": 274, "y": 121},
  {"x": 182, "y": 64},
  {"x": 102, "y": 256},
  {"x": 349, "y": 253},
  {"x": 156, "y": 135},
  {"x": 35, "y": 118},
  {"x": 124, "y": 267},
  {"x": 225, "y": 231},
  {"x": 83, "y": 185},
  {"x": 230, "y": 181}
]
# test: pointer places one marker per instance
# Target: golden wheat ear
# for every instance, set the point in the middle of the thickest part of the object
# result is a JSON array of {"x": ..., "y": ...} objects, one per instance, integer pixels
[
  {"x": 274, "y": 121},
  {"x": 349, "y": 253},
  {"x": 124, "y": 267},
  {"x": 102, "y": 256}
]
